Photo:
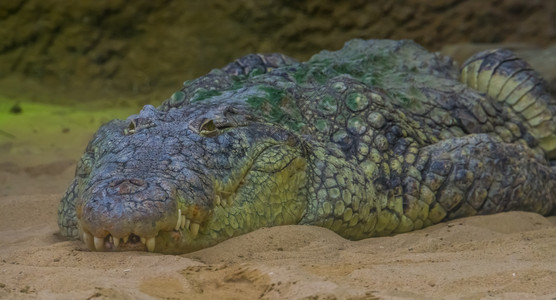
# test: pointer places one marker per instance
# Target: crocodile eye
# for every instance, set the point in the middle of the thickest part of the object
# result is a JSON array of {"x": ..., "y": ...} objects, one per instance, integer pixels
[
  {"x": 137, "y": 124},
  {"x": 130, "y": 129},
  {"x": 208, "y": 128}
]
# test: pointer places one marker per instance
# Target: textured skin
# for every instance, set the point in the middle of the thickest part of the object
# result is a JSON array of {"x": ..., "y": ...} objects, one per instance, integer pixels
[
  {"x": 508, "y": 79},
  {"x": 374, "y": 139}
]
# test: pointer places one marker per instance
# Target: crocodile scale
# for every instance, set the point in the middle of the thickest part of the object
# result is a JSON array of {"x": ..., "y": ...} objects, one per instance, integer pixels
[{"x": 378, "y": 138}]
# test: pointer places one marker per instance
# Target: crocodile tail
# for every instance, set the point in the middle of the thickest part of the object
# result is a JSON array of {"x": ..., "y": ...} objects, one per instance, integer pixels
[{"x": 509, "y": 79}]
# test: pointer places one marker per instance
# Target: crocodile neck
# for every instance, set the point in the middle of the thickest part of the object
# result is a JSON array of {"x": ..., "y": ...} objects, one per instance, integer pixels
[{"x": 340, "y": 196}]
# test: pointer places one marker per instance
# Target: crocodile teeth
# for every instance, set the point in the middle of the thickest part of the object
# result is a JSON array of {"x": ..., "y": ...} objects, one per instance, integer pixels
[
  {"x": 126, "y": 238},
  {"x": 183, "y": 220},
  {"x": 99, "y": 243},
  {"x": 194, "y": 229},
  {"x": 143, "y": 240},
  {"x": 178, "y": 224},
  {"x": 88, "y": 239},
  {"x": 150, "y": 244},
  {"x": 187, "y": 223},
  {"x": 116, "y": 242},
  {"x": 231, "y": 199}
]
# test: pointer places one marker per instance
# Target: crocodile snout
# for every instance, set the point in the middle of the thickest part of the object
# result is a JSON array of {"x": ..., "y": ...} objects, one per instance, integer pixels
[{"x": 127, "y": 207}]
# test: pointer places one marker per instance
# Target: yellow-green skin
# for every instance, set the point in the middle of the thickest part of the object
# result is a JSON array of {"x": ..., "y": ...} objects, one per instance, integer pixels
[{"x": 377, "y": 138}]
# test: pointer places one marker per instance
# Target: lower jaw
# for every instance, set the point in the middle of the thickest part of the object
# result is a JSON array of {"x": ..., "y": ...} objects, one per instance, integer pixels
[
  {"x": 110, "y": 244},
  {"x": 175, "y": 242},
  {"x": 166, "y": 242},
  {"x": 182, "y": 239}
]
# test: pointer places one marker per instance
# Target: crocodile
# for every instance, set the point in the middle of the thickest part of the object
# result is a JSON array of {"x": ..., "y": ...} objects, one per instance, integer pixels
[{"x": 378, "y": 138}]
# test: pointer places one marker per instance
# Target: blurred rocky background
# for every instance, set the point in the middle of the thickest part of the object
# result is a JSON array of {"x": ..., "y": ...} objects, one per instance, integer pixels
[{"x": 137, "y": 52}]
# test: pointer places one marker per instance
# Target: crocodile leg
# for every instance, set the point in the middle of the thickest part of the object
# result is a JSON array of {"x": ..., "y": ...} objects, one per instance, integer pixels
[
  {"x": 477, "y": 174},
  {"x": 454, "y": 178}
]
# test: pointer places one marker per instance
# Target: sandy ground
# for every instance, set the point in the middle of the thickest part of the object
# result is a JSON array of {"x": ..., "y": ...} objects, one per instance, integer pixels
[{"x": 505, "y": 256}]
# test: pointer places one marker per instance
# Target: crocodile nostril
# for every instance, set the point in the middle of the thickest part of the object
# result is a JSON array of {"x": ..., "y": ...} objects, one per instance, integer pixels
[
  {"x": 138, "y": 182},
  {"x": 128, "y": 186}
]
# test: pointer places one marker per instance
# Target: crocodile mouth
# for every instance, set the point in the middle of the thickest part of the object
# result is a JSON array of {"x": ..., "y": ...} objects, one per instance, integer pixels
[
  {"x": 184, "y": 228},
  {"x": 180, "y": 224}
]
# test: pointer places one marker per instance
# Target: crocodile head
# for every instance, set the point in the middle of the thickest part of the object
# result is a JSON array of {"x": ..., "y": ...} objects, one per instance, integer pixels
[{"x": 186, "y": 179}]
